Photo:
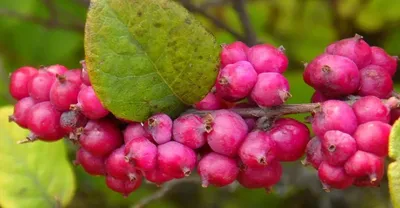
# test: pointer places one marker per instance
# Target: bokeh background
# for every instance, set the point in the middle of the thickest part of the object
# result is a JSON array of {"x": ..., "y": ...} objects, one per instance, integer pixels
[{"x": 45, "y": 32}]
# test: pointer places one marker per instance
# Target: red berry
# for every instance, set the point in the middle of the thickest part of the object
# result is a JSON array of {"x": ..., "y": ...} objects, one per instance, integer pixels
[
  {"x": 334, "y": 177},
  {"x": 217, "y": 170},
  {"x": 365, "y": 181},
  {"x": 21, "y": 110},
  {"x": 318, "y": 97},
  {"x": 56, "y": 69},
  {"x": 189, "y": 130},
  {"x": 267, "y": 58},
  {"x": 19, "y": 80},
  {"x": 234, "y": 52},
  {"x": 384, "y": 60},
  {"x": 117, "y": 166},
  {"x": 176, "y": 159},
  {"x": 291, "y": 138},
  {"x": 265, "y": 177},
  {"x": 64, "y": 91},
  {"x": 209, "y": 102},
  {"x": 373, "y": 137},
  {"x": 337, "y": 147},
  {"x": 375, "y": 81},
  {"x": 89, "y": 104},
  {"x": 90, "y": 163},
  {"x": 364, "y": 164},
  {"x": 258, "y": 149},
  {"x": 156, "y": 176},
  {"x": 160, "y": 128},
  {"x": 135, "y": 130},
  {"x": 72, "y": 120},
  {"x": 314, "y": 155},
  {"x": 141, "y": 152},
  {"x": 125, "y": 187},
  {"x": 371, "y": 108},
  {"x": 271, "y": 89},
  {"x": 40, "y": 84}
]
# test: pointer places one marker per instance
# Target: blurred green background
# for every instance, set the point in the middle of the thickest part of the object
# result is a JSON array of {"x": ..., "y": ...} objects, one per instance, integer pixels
[{"x": 45, "y": 32}]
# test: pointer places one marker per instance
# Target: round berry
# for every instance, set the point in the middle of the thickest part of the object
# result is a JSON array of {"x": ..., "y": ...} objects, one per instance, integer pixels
[
  {"x": 117, "y": 167},
  {"x": 271, "y": 89},
  {"x": 375, "y": 81},
  {"x": 334, "y": 177},
  {"x": 373, "y": 137},
  {"x": 384, "y": 60},
  {"x": 217, "y": 170},
  {"x": 337, "y": 147},
  {"x": 265, "y": 177},
  {"x": 19, "y": 80},
  {"x": 234, "y": 52},
  {"x": 189, "y": 130},
  {"x": 371, "y": 108},
  {"x": 90, "y": 163},
  {"x": 257, "y": 150},
  {"x": 21, "y": 109},
  {"x": 267, "y": 58},
  {"x": 142, "y": 153},
  {"x": 160, "y": 127}
]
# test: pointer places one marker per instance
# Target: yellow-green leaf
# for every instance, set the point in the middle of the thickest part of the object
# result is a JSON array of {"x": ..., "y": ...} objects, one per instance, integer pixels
[
  {"x": 394, "y": 141},
  {"x": 32, "y": 175},
  {"x": 394, "y": 183},
  {"x": 148, "y": 56}
]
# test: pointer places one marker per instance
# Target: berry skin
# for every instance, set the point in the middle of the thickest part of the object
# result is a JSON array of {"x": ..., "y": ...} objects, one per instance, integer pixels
[
  {"x": 44, "y": 121},
  {"x": 267, "y": 58},
  {"x": 334, "y": 177},
  {"x": 337, "y": 147},
  {"x": 189, "y": 130},
  {"x": 354, "y": 48},
  {"x": 364, "y": 164},
  {"x": 217, "y": 170},
  {"x": 19, "y": 82},
  {"x": 85, "y": 75},
  {"x": 124, "y": 187},
  {"x": 371, "y": 108},
  {"x": 176, "y": 159},
  {"x": 318, "y": 97},
  {"x": 210, "y": 102},
  {"x": 265, "y": 177},
  {"x": 233, "y": 53},
  {"x": 135, "y": 130},
  {"x": 117, "y": 167},
  {"x": 40, "y": 84},
  {"x": 156, "y": 176},
  {"x": 334, "y": 115},
  {"x": 89, "y": 104},
  {"x": 314, "y": 155},
  {"x": 100, "y": 137},
  {"x": 365, "y": 181},
  {"x": 235, "y": 81},
  {"x": 56, "y": 69},
  {"x": 332, "y": 75},
  {"x": 375, "y": 81},
  {"x": 271, "y": 89},
  {"x": 226, "y": 132},
  {"x": 90, "y": 163},
  {"x": 142, "y": 153},
  {"x": 72, "y": 120},
  {"x": 64, "y": 91},
  {"x": 21, "y": 110},
  {"x": 258, "y": 149},
  {"x": 160, "y": 128},
  {"x": 384, "y": 60},
  {"x": 373, "y": 137},
  {"x": 291, "y": 138},
  {"x": 251, "y": 123}
]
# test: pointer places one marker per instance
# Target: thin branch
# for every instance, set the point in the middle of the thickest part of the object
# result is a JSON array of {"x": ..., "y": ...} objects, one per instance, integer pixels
[
  {"x": 213, "y": 3},
  {"x": 168, "y": 186},
  {"x": 193, "y": 8},
  {"x": 240, "y": 7}
]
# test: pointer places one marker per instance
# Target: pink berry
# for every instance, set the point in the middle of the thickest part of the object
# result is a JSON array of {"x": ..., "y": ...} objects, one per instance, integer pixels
[
  {"x": 72, "y": 120},
  {"x": 85, "y": 75},
  {"x": 365, "y": 181},
  {"x": 332, "y": 75},
  {"x": 157, "y": 176},
  {"x": 142, "y": 153},
  {"x": 176, "y": 159},
  {"x": 371, "y": 108},
  {"x": 334, "y": 177},
  {"x": 337, "y": 147},
  {"x": 189, "y": 130},
  {"x": 235, "y": 81},
  {"x": 40, "y": 84},
  {"x": 314, "y": 155},
  {"x": 227, "y": 130},
  {"x": 267, "y": 58},
  {"x": 354, "y": 48},
  {"x": 125, "y": 187},
  {"x": 384, "y": 60},
  {"x": 210, "y": 102},
  {"x": 117, "y": 167},
  {"x": 217, "y": 170},
  {"x": 334, "y": 115},
  {"x": 233, "y": 53},
  {"x": 56, "y": 69},
  {"x": 90, "y": 163},
  {"x": 265, "y": 177},
  {"x": 318, "y": 97},
  {"x": 19, "y": 80},
  {"x": 90, "y": 105},
  {"x": 160, "y": 128},
  {"x": 21, "y": 110},
  {"x": 135, "y": 130},
  {"x": 257, "y": 150},
  {"x": 64, "y": 92},
  {"x": 100, "y": 137},
  {"x": 291, "y": 138},
  {"x": 363, "y": 164},
  {"x": 251, "y": 123},
  {"x": 44, "y": 121},
  {"x": 271, "y": 89},
  {"x": 373, "y": 137},
  {"x": 375, "y": 81}
]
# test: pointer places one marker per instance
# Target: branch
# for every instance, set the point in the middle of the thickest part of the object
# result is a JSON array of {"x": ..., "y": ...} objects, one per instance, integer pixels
[
  {"x": 193, "y": 8},
  {"x": 166, "y": 187},
  {"x": 240, "y": 7}
]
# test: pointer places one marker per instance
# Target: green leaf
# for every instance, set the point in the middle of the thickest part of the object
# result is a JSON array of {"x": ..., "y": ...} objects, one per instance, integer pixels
[
  {"x": 394, "y": 183},
  {"x": 148, "y": 56},
  {"x": 32, "y": 175},
  {"x": 394, "y": 141}
]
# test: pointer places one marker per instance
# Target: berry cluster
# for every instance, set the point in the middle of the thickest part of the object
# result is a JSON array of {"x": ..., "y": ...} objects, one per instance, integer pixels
[{"x": 350, "y": 142}]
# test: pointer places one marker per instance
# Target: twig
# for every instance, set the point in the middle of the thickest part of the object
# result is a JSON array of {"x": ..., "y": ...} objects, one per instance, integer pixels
[
  {"x": 163, "y": 191},
  {"x": 193, "y": 8},
  {"x": 240, "y": 7}
]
